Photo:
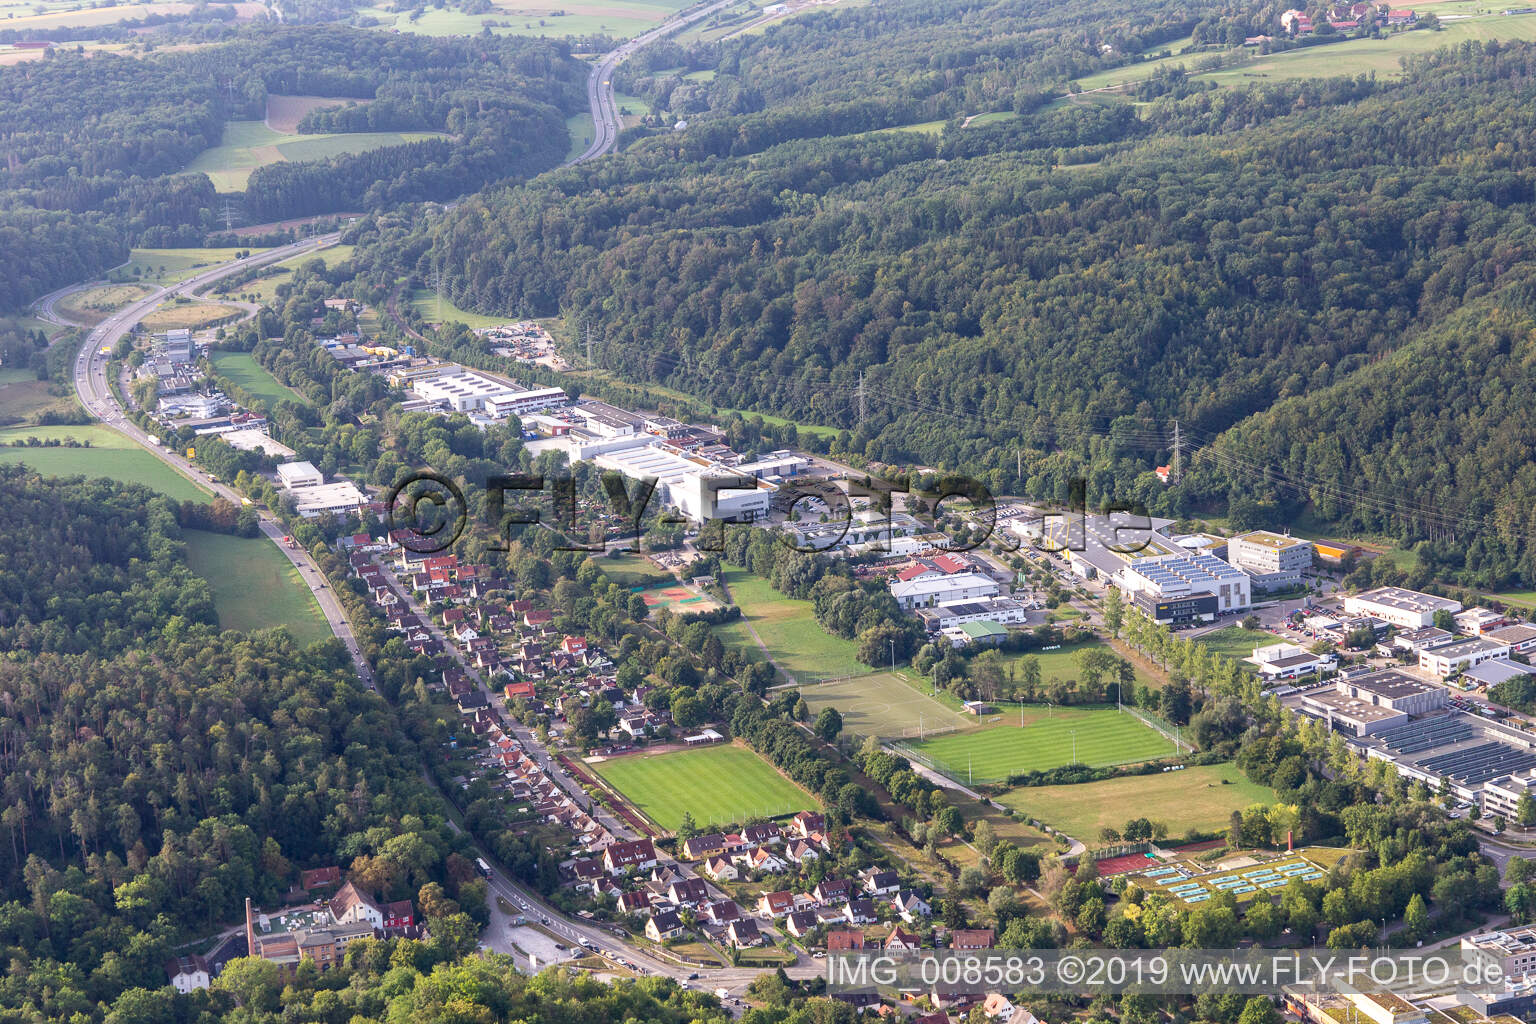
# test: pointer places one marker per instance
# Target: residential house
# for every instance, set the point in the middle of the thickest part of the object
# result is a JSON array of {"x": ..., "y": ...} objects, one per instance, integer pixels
[
  {"x": 832, "y": 890},
  {"x": 699, "y": 847},
  {"x": 775, "y": 904},
  {"x": 685, "y": 892},
  {"x": 844, "y": 940},
  {"x": 721, "y": 912},
  {"x": 801, "y": 923},
  {"x": 639, "y": 855},
  {"x": 799, "y": 852},
  {"x": 807, "y": 822},
  {"x": 909, "y": 906},
  {"x": 761, "y": 860},
  {"x": 860, "y": 912},
  {"x": 743, "y": 933},
  {"x": 721, "y": 870},
  {"x": 881, "y": 883},
  {"x": 762, "y": 834},
  {"x": 318, "y": 878},
  {"x": 900, "y": 938},
  {"x": 663, "y": 926},
  {"x": 636, "y": 901},
  {"x": 187, "y": 973},
  {"x": 351, "y": 906},
  {"x": 971, "y": 938}
]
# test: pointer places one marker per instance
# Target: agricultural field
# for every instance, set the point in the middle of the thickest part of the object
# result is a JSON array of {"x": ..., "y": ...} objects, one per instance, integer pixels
[
  {"x": 192, "y": 315},
  {"x": 247, "y": 145},
  {"x": 109, "y": 455},
  {"x": 254, "y": 585},
  {"x": 1236, "y": 642},
  {"x": 168, "y": 266},
  {"x": 1047, "y": 739},
  {"x": 885, "y": 704},
  {"x": 1202, "y": 797},
  {"x": 22, "y": 17},
  {"x": 93, "y": 305},
  {"x": 1378, "y": 56},
  {"x": 617, "y": 18},
  {"x": 439, "y": 309},
  {"x": 242, "y": 368},
  {"x": 23, "y": 396},
  {"x": 285, "y": 112},
  {"x": 795, "y": 640},
  {"x": 715, "y": 785}
]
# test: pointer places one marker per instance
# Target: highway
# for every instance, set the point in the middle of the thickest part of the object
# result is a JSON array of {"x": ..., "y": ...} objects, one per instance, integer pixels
[
  {"x": 600, "y": 96},
  {"x": 99, "y": 400}
]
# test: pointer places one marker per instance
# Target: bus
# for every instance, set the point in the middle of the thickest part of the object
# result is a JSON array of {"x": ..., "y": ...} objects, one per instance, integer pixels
[{"x": 482, "y": 867}]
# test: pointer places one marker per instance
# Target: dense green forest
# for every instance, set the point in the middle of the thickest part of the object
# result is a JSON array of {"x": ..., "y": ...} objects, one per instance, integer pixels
[
  {"x": 94, "y": 143},
  {"x": 1271, "y": 265},
  {"x": 158, "y": 771}
]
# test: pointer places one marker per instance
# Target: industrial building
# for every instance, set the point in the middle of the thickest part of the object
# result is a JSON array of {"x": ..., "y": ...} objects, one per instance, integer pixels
[
  {"x": 934, "y": 590},
  {"x": 1373, "y": 703},
  {"x": 1405, "y": 609},
  {"x": 1273, "y": 560},
  {"x": 697, "y": 487},
  {"x": 312, "y": 496},
  {"x": 179, "y": 347},
  {"x": 470, "y": 392},
  {"x": 1183, "y": 588},
  {"x": 1287, "y": 661},
  {"x": 1002, "y": 610},
  {"x": 1446, "y": 661},
  {"x": 292, "y": 475}
]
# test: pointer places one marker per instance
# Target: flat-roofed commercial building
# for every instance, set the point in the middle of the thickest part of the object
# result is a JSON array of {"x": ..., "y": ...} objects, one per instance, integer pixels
[
  {"x": 1452, "y": 658},
  {"x": 1396, "y": 690},
  {"x": 1274, "y": 560},
  {"x": 1405, "y": 609},
  {"x": 467, "y": 392},
  {"x": 1178, "y": 589},
  {"x": 695, "y": 486},
  {"x": 331, "y": 499},
  {"x": 1351, "y": 714},
  {"x": 1520, "y": 637},
  {"x": 294, "y": 475}
]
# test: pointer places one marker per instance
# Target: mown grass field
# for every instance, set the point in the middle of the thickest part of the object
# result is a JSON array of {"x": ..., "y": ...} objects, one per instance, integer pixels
[
  {"x": 789, "y": 630},
  {"x": 633, "y": 570},
  {"x": 581, "y": 128},
  {"x": 110, "y": 455},
  {"x": 1202, "y": 797},
  {"x": 1060, "y": 665},
  {"x": 1102, "y": 736},
  {"x": 254, "y": 585},
  {"x": 713, "y": 784},
  {"x": 885, "y": 704},
  {"x": 247, "y": 145},
  {"x": 192, "y": 315},
  {"x": 1236, "y": 642},
  {"x": 618, "y": 18},
  {"x": 442, "y": 310},
  {"x": 93, "y": 305},
  {"x": 167, "y": 266},
  {"x": 243, "y": 369}
]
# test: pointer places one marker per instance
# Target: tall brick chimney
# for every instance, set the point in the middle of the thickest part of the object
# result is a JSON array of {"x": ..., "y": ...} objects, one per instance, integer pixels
[{"x": 250, "y": 930}]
